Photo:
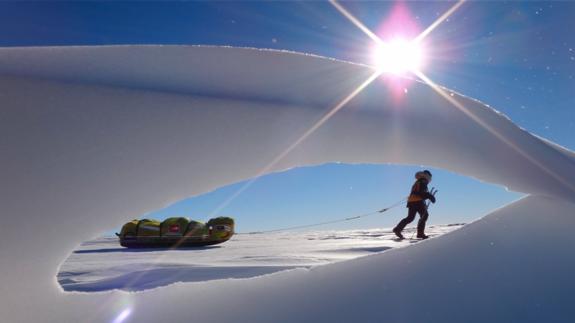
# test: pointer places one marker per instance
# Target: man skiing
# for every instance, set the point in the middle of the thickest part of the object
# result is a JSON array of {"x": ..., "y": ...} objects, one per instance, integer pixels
[{"x": 416, "y": 204}]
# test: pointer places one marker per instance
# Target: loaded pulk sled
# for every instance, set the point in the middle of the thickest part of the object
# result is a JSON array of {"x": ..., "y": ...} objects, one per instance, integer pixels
[{"x": 175, "y": 232}]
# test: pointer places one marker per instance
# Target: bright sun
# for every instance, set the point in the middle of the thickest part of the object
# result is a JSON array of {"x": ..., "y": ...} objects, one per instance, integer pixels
[{"x": 398, "y": 56}]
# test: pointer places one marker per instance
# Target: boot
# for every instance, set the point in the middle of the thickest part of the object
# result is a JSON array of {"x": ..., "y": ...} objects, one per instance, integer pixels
[
  {"x": 398, "y": 233},
  {"x": 422, "y": 236}
]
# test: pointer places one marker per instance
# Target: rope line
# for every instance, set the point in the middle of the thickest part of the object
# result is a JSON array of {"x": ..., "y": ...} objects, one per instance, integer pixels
[{"x": 329, "y": 222}]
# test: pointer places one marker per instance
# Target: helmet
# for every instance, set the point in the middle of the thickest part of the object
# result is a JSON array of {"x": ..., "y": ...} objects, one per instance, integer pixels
[{"x": 424, "y": 174}]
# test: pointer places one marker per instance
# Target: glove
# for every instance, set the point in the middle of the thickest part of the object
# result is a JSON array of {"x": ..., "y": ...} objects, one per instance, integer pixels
[{"x": 432, "y": 198}]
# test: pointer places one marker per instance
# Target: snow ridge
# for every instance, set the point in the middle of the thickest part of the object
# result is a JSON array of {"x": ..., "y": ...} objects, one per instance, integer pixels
[{"x": 91, "y": 137}]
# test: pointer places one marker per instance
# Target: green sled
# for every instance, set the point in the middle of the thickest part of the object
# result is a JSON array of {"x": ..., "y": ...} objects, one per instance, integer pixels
[{"x": 175, "y": 232}]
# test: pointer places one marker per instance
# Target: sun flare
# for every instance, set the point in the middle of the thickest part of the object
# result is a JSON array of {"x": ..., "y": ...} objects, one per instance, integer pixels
[{"x": 398, "y": 56}]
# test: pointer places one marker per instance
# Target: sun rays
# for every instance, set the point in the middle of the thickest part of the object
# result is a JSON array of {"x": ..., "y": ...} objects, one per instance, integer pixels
[
  {"x": 493, "y": 131},
  {"x": 355, "y": 21},
  {"x": 409, "y": 58},
  {"x": 438, "y": 21},
  {"x": 406, "y": 57},
  {"x": 396, "y": 57},
  {"x": 331, "y": 112}
]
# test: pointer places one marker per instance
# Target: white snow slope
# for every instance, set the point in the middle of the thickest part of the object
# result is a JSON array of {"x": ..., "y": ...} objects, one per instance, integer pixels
[{"x": 93, "y": 136}]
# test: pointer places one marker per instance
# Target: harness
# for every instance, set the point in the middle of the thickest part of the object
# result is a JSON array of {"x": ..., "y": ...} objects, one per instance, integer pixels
[{"x": 415, "y": 190}]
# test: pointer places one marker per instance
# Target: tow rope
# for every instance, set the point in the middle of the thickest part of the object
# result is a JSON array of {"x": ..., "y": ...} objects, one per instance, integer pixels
[{"x": 329, "y": 222}]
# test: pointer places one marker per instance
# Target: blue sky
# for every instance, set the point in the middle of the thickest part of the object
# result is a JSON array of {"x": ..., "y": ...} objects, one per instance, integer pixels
[
  {"x": 334, "y": 191},
  {"x": 518, "y": 57}
]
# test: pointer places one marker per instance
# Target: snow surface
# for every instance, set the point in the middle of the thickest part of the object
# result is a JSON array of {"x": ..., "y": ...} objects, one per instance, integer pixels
[
  {"x": 93, "y": 136},
  {"x": 102, "y": 264}
]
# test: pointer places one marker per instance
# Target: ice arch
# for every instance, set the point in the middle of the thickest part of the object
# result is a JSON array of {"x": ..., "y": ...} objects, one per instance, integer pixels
[{"x": 91, "y": 136}]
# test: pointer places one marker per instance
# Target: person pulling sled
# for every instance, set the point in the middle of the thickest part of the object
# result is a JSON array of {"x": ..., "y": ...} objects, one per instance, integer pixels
[{"x": 416, "y": 204}]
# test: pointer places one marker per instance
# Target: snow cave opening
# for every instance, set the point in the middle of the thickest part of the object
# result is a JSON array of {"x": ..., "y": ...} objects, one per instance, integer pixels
[{"x": 292, "y": 198}]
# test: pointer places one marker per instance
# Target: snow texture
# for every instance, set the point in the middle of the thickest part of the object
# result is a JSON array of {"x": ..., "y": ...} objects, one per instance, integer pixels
[
  {"x": 101, "y": 264},
  {"x": 93, "y": 136}
]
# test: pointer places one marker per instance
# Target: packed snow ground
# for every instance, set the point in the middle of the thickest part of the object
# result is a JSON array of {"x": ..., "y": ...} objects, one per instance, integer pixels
[{"x": 102, "y": 264}]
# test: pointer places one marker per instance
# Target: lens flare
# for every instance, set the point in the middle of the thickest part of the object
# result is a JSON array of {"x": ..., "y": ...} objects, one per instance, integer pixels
[
  {"x": 123, "y": 315},
  {"x": 398, "y": 56}
]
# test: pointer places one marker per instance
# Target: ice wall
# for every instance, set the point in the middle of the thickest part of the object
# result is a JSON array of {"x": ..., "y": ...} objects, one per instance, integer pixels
[{"x": 92, "y": 136}]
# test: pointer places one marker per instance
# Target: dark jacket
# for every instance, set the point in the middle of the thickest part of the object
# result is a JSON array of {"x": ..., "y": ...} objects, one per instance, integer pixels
[{"x": 419, "y": 193}]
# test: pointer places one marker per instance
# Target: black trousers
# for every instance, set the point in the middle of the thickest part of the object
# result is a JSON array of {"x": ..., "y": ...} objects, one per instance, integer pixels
[{"x": 414, "y": 208}]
